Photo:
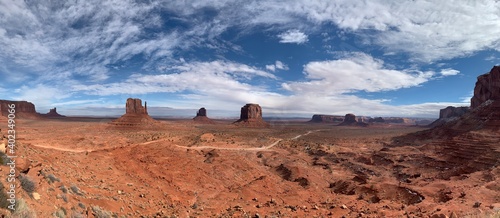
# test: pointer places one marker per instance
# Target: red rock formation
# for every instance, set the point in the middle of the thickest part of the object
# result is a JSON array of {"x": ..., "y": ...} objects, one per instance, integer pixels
[
  {"x": 201, "y": 117},
  {"x": 135, "y": 115},
  {"x": 134, "y": 106},
  {"x": 376, "y": 120},
  {"x": 450, "y": 112},
  {"x": 321, "y": 118},
  {"x": 487, "y": 87},
  {"x": 350, "y": 120},
  {"x": 251, "y": 115},
  {"x": 52, "y": 114},
  {"x": 23, "y": 109}
]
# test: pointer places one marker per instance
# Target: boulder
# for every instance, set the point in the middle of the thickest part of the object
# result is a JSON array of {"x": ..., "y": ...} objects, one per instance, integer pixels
[
  {"x": 321, "y": 118},
  {"x": 487, "y": 87},
  {"x": 450, "y": 112},
  {"x": 251, "y": 115}
]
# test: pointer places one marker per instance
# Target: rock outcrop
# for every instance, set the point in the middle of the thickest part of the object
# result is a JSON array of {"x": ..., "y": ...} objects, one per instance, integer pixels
[
  {"x": 350, "y": 120},
  {"x": 23, "y": 109},
  {"x": 484, "y": 113},
  {"x": 201, "y": 117},
  {"x": 450, "y": 112},
  {"x": 52, "y": 114},
  {"x": 487, "y": 88},
  {"x": 321, "y": 118},
  {"x": 135, "y": 115},
  {"x": 376, "y": 120},
  {"x": 251, "y": 115}
]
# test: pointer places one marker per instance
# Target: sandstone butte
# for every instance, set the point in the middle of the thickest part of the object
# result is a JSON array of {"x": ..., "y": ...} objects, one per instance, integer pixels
[
  {"x": 322, "y": 118},
  {"x": 350, "y": 120},
  {"x": 251, "y": 116},
  {"x": 52, "y": 114},
  {"x": 23, "y": 109},
  {"x": 135, "y": 115},
  {"x": 201, "y": 117}
]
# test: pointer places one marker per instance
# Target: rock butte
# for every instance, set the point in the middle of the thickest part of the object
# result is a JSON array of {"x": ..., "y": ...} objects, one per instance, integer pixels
[
  {"x": 135, "y": 115},
  {"x": 321, "y": 118},
  {"x": 201, "y": 117},
  {"x": 350, "y": 120},
  {"x": 52, "y": 114},
  {"x": 251, "y": 115},
  {"x": 487, "y": 88},
  {"x": 23, "y": 109}
]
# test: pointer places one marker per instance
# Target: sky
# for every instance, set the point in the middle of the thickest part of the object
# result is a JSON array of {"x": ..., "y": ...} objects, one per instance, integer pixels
[{"x": 292, "y": 57}]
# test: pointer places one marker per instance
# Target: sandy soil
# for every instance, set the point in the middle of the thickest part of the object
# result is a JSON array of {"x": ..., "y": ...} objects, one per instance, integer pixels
[{"x": 88, "y": 168}]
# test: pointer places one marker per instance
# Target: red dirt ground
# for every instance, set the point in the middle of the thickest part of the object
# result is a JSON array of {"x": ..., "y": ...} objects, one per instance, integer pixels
[{"x": 89, "y": 168}]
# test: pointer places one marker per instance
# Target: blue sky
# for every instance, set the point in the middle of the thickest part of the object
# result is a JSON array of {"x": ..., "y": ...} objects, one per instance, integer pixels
[{"x": 294, "y": 58}]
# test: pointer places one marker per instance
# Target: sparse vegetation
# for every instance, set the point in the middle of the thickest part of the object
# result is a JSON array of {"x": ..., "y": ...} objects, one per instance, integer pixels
[
  {"x": 81, "y": 205},
  {"x": 61, "y": 213},
  {"x": 27, "y": 183},
  {"x": 63, "y": 189},
  {"x": 3, "y": 158},
  {"x": 22, "y": 210},
  {"x": 51, "y": 178},
  {"x": 101, "y": 213},
  {"x": 75, "y": 190},
  {"x": 3, "y": 197}
]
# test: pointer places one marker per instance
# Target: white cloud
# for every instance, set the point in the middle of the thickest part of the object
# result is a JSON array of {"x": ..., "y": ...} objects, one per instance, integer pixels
[
  {"x": 277, "y": 65},
  {"x": 293, "y": 36},
  {"x": 449, "y": 72},
  {"x": 220, "y": 77},
  {"x": 355, "y": 73}
]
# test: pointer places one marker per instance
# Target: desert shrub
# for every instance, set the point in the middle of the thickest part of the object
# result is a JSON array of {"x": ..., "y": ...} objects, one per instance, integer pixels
[
  {"x": 4, "y": 159},
  {"x": 52, "y": 178},
  {"x": 61, "y": 213},
  {"x": 76, "y": 214},
  {"x": 101, "y": 213},
  {"x": 22, "y": 210},
  {"x": 3, "y": 197},
  {"x": 27, "y": 183},
  {"x": 75, "y": 190},
  {"x": 65, "y": 198},
  {"x": 63, "y": 189},
  {"x": 81, "y": 205}
]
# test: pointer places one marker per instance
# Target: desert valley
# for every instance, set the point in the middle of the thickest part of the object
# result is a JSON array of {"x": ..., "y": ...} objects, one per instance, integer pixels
[{"x": 331, "y": 166}]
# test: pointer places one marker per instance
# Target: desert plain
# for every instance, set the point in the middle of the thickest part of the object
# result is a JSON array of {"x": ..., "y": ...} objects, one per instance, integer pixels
[{"x": 87, "y": 167}]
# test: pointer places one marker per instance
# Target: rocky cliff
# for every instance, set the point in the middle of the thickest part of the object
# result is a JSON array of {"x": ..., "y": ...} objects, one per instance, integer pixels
[
  {"x": 135, "y": 115},
  {"x": 23, "y": 109},
  {"x": 321, "y": 118},
  {"x": 487, "y": 87},
  {"x": 350, "y": 120},
  {"x": 450, "y": 112},
  {"x": 251, "y": 115}
]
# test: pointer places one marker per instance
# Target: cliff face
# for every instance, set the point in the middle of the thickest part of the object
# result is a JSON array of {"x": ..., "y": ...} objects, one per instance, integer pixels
[
  {"x": 450, "y": 112},
  {"x": 134, "y": 106},
  {"x": 251, "y": 115},
  {"x": 201, "y": 117},
  {"x": 135, "y": 115},
  {"x": 23, "y": 109},
  {"x": 487, "y": 87},
  {"x": 320, "y": 118}
]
